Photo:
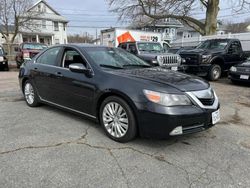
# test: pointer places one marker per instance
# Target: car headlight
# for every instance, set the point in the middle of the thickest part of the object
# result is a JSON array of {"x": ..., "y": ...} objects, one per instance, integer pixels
[
  {"x": 167, "y": 99},
  {"x": 179, "y": 59},
  {"x": 233, "y": 69},
  {"x": 160, "y": 60},
  {"x": 205, "y": 58}
]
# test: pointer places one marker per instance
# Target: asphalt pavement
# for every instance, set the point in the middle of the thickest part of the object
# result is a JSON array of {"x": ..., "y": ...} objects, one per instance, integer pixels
[{"x": 48, "y": 147}]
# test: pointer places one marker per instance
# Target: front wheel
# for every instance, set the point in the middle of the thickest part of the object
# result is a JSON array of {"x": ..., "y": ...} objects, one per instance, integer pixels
[
  {"x": 215, "y": 72},
  {"x": 30, "y": 94},
  {"x": 117, "y": 119}
]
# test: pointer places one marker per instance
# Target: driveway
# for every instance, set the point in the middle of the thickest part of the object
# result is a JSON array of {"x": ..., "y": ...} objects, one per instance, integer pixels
[{"x": 47, "y": 147}]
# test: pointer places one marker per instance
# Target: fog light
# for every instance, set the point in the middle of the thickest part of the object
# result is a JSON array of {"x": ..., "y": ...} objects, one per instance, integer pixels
[{"x": 176, "y": 131}]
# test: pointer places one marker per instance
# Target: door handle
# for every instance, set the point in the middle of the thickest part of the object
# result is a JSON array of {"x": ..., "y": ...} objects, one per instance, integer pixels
[{"x": 58, "y": 74}]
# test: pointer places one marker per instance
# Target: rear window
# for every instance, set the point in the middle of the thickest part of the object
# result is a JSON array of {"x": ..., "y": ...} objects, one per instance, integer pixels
[{"x": 34, "y": 46}]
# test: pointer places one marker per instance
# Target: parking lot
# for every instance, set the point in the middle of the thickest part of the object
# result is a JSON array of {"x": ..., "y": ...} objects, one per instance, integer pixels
[{"x": 47, "y": 147}]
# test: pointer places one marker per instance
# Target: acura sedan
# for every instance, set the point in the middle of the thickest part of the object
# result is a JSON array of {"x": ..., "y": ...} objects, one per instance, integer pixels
[{"x": 123, "y": 93}]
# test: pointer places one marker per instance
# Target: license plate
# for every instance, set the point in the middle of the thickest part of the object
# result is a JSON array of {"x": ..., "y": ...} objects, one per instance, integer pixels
[
  {"x": 174, "y": 68},
  {"x": 1, "y": 59},
  {"x": 216, "y": 117},
  {"x": 244, "y": 77}
]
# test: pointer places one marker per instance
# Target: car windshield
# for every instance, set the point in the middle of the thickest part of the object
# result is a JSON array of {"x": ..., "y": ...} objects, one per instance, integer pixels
[
  {"x": 34, "y": 46},
  {"x": 114, "y": 58},
  {"x": 213, "y": 44},
  {"x": 150, "y": 47}
]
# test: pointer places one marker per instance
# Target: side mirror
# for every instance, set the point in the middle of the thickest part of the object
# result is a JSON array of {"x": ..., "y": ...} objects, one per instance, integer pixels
[{"x": 79, "y": 68}]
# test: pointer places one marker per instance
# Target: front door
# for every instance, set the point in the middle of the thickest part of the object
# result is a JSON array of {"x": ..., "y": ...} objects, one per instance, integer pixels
[{"x": 75, "y": 90}]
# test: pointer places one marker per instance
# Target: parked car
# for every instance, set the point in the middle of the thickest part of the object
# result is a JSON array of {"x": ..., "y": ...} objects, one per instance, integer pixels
[
  {"x": 153, "y": 53},
  {"x": 26, "y": 51},
  {"x": 3, "y": 60},
  {"x": 240, "y": 72},
  {"x": 212, "y": 57},
  {"x": 124, "y": 93}
]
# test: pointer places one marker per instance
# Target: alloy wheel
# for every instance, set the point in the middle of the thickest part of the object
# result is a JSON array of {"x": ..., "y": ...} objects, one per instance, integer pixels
[
  {"x": 29, "y": 93},
  {"x": 115, "y": 119}
]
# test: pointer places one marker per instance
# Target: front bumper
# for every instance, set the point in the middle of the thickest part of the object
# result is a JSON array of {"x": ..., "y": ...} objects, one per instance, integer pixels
[
  {"x": 159, "y": 121},
  {"x": 238, "y": 76},
  {"x": 200, "y": 70}
]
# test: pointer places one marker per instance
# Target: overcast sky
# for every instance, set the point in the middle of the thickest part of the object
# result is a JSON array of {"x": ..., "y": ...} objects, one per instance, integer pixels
[{"x": 84, "y": 14}]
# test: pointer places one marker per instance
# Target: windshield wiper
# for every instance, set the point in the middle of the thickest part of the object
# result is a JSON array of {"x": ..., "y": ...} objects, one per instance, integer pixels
[
  {"x": 110, "y": 66},
  {"x": 135, "y": 65}
]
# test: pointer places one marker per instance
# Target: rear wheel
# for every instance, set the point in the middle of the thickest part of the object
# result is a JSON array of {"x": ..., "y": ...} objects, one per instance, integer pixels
[
  {"x": 215, "y": 72},
  {"x": 117, "y": 119},
  {"x": 30, "y": 94}
]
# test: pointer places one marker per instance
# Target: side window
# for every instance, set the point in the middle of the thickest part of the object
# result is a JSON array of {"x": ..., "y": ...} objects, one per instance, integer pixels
[
  {"x": 49, "y": 57},
  {"x": 132, "y": 48},
  {"x": 72, "y": 56},
  {"x": 235, "y": 47}
]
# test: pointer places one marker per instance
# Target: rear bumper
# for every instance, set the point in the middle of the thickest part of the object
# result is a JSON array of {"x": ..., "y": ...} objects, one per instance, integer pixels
[
  {"x": 201, "y": 70},
  {"x": 160, "y": 121}
]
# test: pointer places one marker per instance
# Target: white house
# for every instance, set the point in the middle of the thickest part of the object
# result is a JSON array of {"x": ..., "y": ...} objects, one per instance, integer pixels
[{"x": 46, "y": 26}]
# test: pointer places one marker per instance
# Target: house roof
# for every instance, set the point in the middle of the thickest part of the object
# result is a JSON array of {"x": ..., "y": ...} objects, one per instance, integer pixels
[
  {"x": 42, "y": 1},
  {"x": 47, "y": 16}
]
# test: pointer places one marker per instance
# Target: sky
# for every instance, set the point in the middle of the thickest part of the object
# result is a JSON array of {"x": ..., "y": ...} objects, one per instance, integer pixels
[{"x": 93, "y": 15}]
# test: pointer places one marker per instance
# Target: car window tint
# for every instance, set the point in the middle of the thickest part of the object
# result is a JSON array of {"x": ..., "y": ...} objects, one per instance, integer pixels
[
  {"x": 72, "y": 56},
  {"x": 49, "y": 57}
]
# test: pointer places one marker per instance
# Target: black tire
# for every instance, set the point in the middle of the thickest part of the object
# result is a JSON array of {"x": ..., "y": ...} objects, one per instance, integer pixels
[
  {"x": 214, "y": 72},
  {"x": 132, "y": 126},
  {"x": 6, "y": 67},
  {"x": 35, "y": 102}
]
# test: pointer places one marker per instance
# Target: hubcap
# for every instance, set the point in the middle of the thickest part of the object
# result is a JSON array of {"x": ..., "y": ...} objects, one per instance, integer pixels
[
  {"x": 115, "y": 119},
  {"x": 216, "y": 73},
  {"x": 29, "y": 93}
]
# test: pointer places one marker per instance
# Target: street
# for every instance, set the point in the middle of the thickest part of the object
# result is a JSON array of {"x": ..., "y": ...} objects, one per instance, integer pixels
[{"x": 48, "y": 147}]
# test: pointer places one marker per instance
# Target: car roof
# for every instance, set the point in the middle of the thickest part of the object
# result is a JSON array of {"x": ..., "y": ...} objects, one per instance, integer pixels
[{"x": 81, "y": 45}]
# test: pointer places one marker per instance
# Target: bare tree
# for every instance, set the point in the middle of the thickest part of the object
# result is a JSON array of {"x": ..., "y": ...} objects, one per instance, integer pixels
[
  {"x": 13, "y": 17},
  {"x": 181, "y": 10}
]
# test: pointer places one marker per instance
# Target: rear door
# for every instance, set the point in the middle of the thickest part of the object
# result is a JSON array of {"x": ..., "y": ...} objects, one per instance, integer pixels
[
  {"x": 234, "y": 54},
  {"x": 45, "y": 73}
]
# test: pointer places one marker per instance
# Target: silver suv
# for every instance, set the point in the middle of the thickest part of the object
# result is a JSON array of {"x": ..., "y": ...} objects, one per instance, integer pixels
[{"x": 153, "y": 53}]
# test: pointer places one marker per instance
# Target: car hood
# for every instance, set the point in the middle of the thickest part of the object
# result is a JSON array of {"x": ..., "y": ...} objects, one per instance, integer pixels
[
  {"x": 201, "y": 51},
  {"x": 245, "y": 64},
  {"x": 160, "y": 75}
]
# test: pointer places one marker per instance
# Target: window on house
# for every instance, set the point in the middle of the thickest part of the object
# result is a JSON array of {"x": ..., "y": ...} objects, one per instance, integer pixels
[
  {"x": 56, "y": 26},
  {"x": 39, "y": 8},
  {"x": 44, "y": 24},
  {"x": 64, "y": 27}
]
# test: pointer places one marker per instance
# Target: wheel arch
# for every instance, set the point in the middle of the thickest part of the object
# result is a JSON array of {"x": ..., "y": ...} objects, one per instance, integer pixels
[
  {"x": 116, "y": 93},
  {"x": 219, "y": 61}
]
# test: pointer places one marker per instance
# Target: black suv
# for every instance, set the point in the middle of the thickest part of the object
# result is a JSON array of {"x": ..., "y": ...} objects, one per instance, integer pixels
[
  {"x": 3, "y": 60},
  {"x": 212, "y": 57},
  {"x": 153, "y": 53}
]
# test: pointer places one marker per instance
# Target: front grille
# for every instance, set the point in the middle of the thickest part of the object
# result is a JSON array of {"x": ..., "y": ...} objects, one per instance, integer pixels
[
  {"x": 190, "y": 58},
  {"x": 171, "y": 60},
  {"x": 243, "y": 70},
  {"x": 207, "y": 102}
]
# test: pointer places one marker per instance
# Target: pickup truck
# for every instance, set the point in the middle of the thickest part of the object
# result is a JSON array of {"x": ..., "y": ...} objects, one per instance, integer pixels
[
  {"x": 153, "y": 53},
  {"x": 3, "y": 60},
  {"x": 26, "y": 51},
  {"x": 212, "y": 57}
]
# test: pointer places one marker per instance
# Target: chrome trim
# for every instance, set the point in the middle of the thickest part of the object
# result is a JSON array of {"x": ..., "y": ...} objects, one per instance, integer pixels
[
  {"x": 85, "y": 114},
  {"x": 193, "y": 127},
  {"x": 201, "y": 94}
]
